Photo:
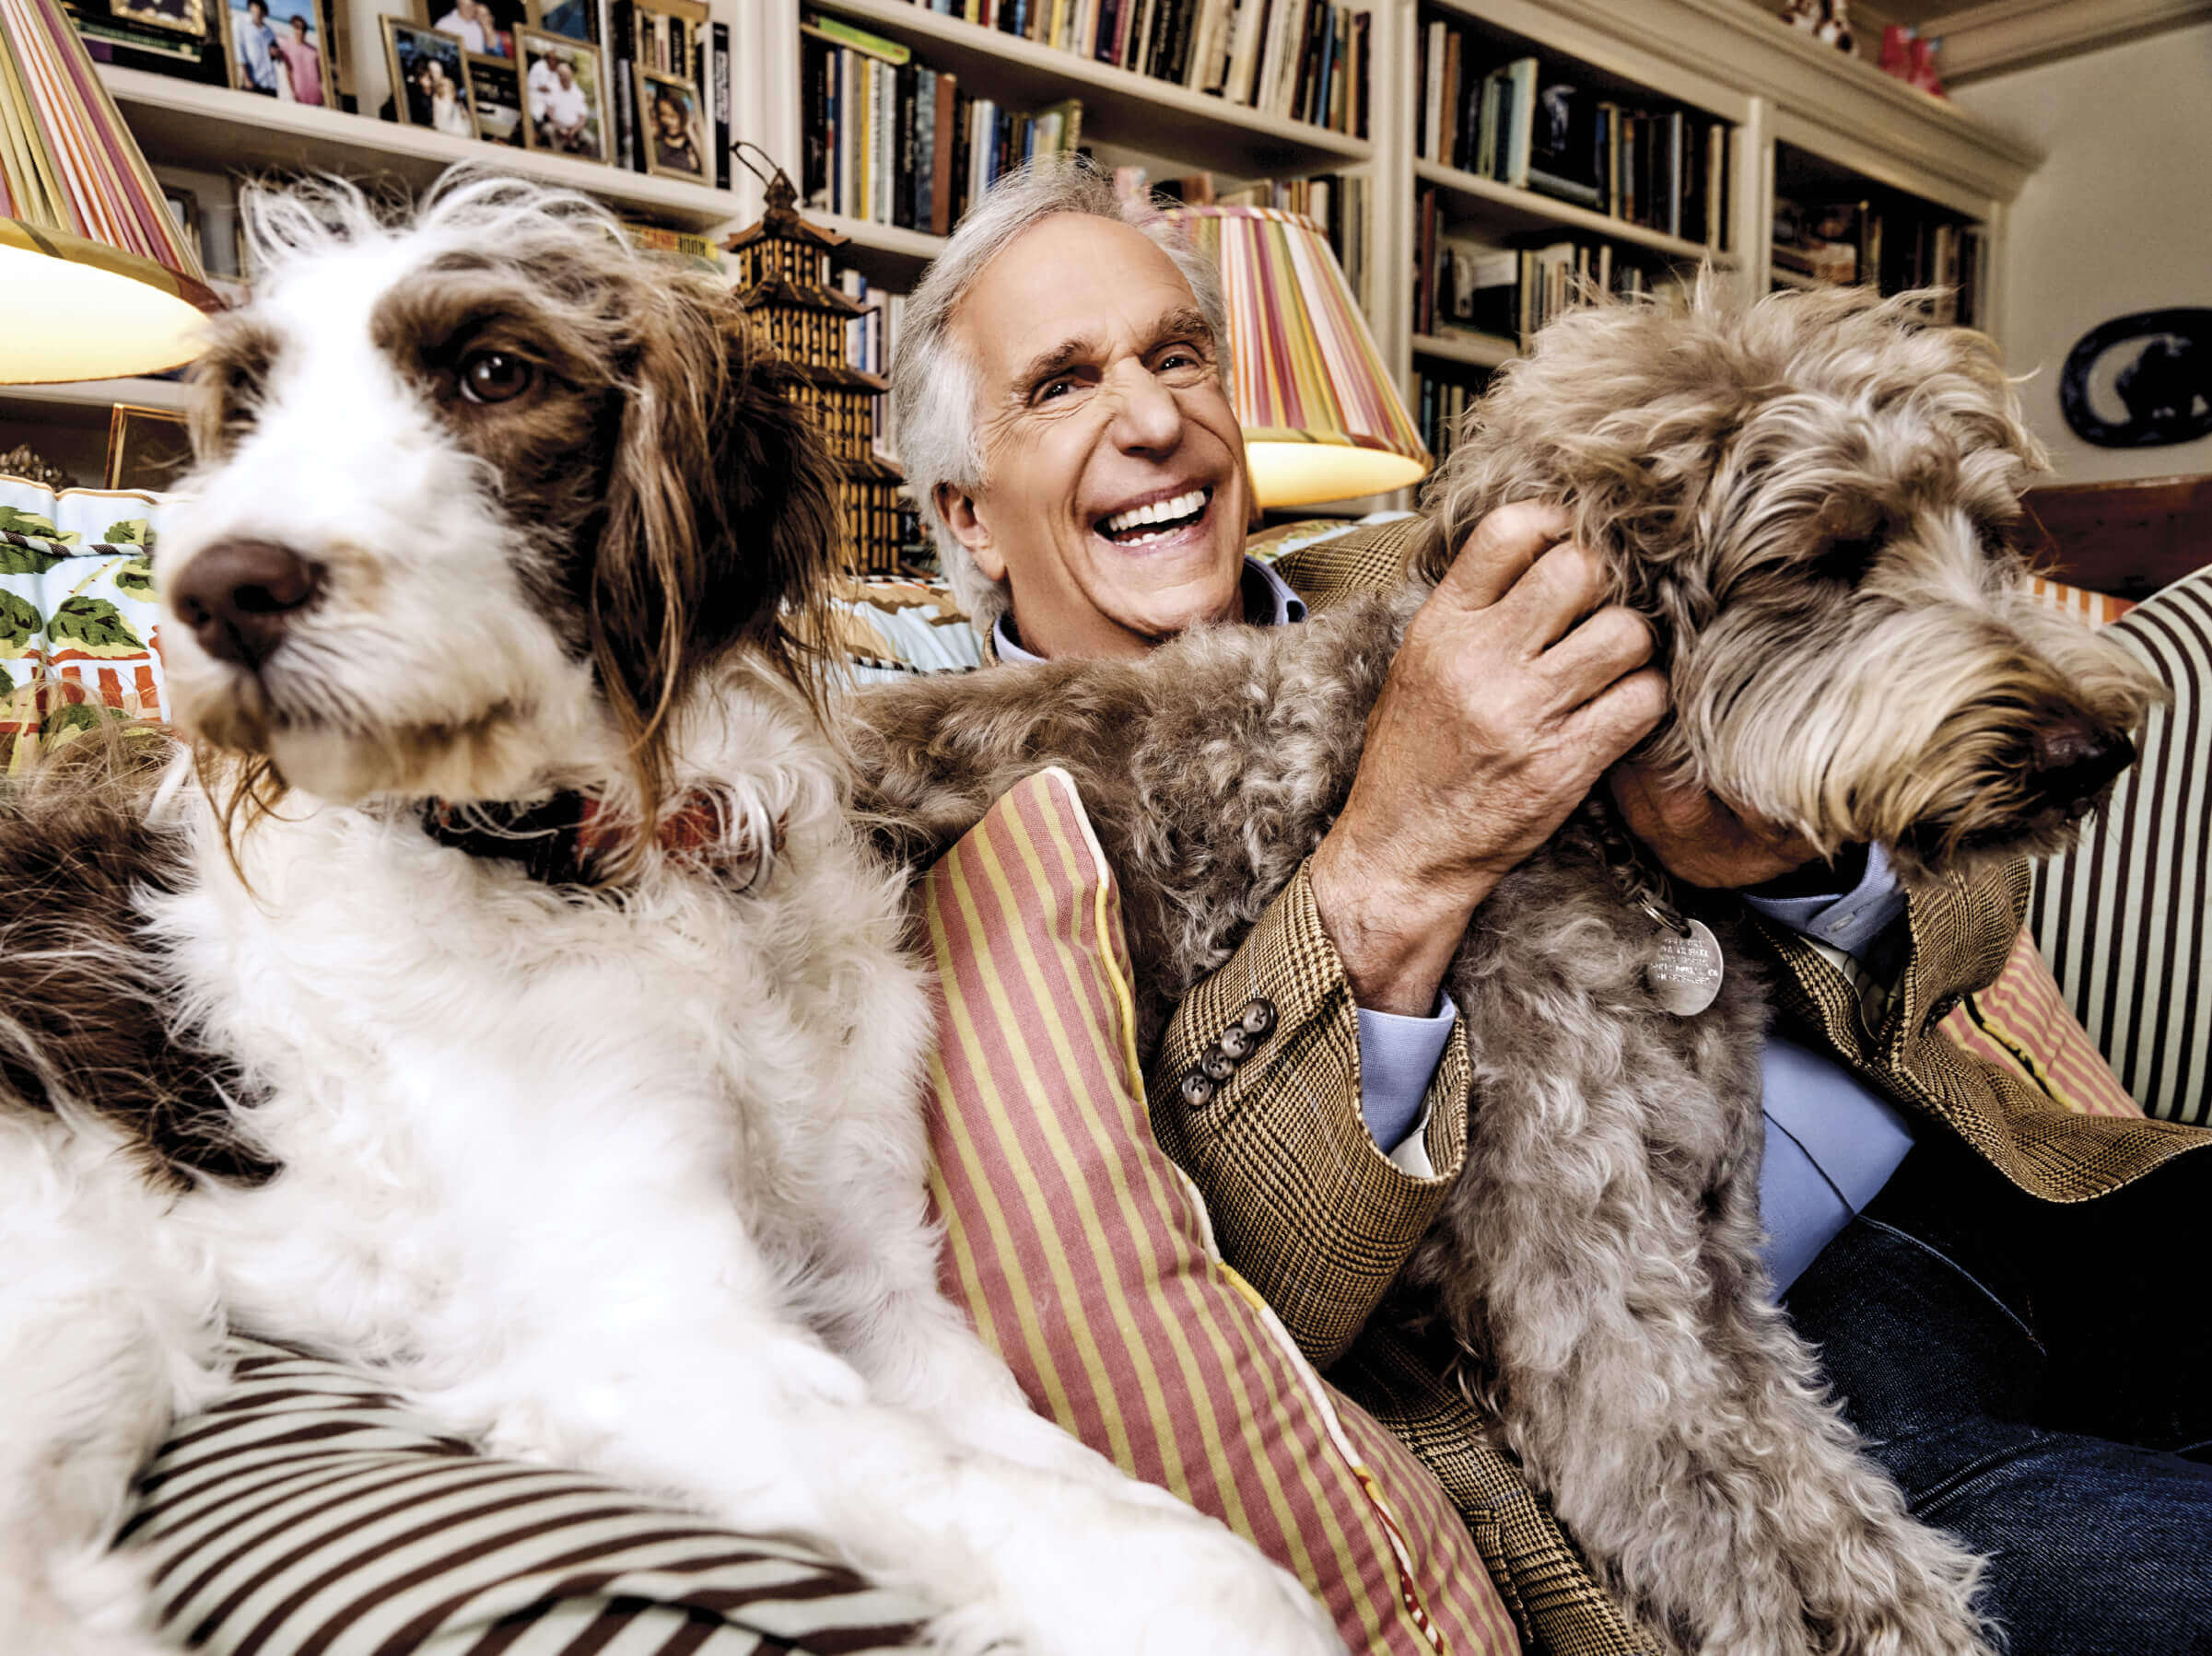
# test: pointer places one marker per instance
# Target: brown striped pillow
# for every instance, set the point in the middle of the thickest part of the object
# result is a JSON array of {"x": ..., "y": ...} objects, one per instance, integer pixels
[
  {"x": 1086, "y": 1259},
  {"x": 2125, "y": 917}
]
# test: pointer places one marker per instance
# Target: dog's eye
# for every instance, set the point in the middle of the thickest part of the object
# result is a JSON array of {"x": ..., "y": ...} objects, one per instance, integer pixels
[
  {"x": 1847, "y": 561},
  {"x": 495, "y": 377}
]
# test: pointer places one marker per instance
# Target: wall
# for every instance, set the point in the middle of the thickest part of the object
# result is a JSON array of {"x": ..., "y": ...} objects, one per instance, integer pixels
[{"x": 2118, "y": 219}]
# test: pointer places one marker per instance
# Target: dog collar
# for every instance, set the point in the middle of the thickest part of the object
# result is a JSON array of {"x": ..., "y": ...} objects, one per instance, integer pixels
[{"x": 569, "y": 838}]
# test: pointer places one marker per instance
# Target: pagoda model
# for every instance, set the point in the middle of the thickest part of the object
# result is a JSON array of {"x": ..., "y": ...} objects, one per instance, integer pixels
[{"x": 783, "y": 282}]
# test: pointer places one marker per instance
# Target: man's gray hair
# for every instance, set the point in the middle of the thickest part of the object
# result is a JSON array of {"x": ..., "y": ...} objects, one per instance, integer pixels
[{"x": 933, "y": 379}]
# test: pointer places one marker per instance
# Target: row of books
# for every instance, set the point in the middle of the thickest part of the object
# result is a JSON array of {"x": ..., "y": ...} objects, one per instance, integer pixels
[
  {"x": 893, "y": 141},
  {"x": 868, "y": 341},
  {"x": 1335, "y": 200},
  {"x": 1306, "y": 60},
  {"x": 1538, "y": 128},
  {"x": 1894, "y": 247},
  {"x": 1460, "y": 285},
  {"x": 1441, "y": 408}
]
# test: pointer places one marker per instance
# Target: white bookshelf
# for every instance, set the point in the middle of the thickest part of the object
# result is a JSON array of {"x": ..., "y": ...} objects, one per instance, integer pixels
[
  {"x": 1725, "y": 58},
  {"x": 186, "y": 123}
]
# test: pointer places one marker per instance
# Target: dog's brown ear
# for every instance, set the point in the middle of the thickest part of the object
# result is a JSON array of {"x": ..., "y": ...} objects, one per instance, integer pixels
[{"x": 721, "y": 516}]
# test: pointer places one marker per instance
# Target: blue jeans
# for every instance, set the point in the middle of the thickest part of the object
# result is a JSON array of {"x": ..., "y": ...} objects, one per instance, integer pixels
[{"x": 2037, "y": 1379}]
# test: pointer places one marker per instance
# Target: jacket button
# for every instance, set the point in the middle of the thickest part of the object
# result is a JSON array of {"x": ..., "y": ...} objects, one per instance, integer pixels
[
  {"x": 1218, "y": 1066},
  {"x": 1237, "y": 1042},
  {"x": 1258, "y": 1016},
  {"x": 1198, "y": 1089},
  {"x": 1942, "y": 1008}
]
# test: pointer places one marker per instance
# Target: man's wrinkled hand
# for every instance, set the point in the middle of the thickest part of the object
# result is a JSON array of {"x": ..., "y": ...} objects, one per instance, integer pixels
[{"x": 1513, "y": 690}]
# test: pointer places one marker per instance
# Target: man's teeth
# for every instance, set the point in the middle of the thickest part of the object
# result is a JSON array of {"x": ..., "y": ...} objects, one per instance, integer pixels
[{"x": 1160, "y": 511}]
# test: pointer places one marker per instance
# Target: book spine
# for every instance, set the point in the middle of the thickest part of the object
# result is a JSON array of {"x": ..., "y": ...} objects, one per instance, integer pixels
[
  {"x": 942, "y": 161},
  {"x": 721, "y": 103},
  {"x": 901, "y": 179},
  {"x": 622, "y": 57}
]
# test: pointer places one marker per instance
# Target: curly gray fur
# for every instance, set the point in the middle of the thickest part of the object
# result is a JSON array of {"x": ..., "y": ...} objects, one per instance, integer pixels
[{"x": 1808, "y": 498}]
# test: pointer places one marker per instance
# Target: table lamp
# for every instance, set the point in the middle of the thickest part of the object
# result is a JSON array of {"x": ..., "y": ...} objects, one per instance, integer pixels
[
  {"x": 96, "y": 279},
  {"x": 1321, "y": 417}
]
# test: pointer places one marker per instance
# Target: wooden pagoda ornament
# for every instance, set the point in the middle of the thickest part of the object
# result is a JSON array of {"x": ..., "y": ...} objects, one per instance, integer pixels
[{"x": 783, "y": 282}]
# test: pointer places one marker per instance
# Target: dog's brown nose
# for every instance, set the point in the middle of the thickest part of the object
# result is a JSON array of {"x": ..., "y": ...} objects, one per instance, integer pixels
[
  {"x": 237, "y": 597},
  {"x": 2073, "y": 763}
]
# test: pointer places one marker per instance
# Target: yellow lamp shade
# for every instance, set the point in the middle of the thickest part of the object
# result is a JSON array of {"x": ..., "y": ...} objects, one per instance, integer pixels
[
  {"x": 96, "y": 279},
  {"x": 1322, "y": 418}
]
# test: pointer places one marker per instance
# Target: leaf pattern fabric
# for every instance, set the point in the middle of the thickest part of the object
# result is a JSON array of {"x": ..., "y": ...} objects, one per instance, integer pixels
[{"x": 78, "y": 616}]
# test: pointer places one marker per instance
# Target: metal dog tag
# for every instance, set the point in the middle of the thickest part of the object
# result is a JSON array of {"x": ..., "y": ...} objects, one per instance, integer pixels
[{"x": 1685, "y": 975}]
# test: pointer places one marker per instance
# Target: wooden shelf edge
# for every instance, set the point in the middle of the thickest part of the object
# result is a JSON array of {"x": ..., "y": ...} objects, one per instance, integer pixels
[
  {"x": 913, "y": 25},
  {"x": 184, "y": 118},
  {"x": 168, "y": 394},
  {"x": 1477, "y": 350},
  {"x": 1533, "y": 205}
]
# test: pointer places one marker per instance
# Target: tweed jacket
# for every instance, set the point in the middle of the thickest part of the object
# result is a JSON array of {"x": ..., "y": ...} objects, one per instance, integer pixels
[{"x": 1310, "y": 1211}]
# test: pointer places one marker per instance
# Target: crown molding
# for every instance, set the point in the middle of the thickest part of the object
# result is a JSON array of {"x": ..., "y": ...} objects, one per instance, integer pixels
[{"x": 2005, "y": 35}]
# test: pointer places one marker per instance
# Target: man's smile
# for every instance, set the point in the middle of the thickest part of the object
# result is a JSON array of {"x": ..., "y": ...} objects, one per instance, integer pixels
[{"x": 1157, "y": 518}]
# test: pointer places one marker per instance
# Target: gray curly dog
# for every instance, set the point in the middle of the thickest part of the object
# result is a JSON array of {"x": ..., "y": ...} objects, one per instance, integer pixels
[{"x": 1811, "y": 498}]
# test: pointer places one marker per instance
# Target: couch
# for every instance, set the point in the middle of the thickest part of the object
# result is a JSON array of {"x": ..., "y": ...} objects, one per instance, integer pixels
[{"x": 308, "y": 1510}]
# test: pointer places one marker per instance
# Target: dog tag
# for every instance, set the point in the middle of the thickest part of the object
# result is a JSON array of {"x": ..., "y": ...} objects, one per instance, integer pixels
[{"x": 1685, "y": 975}]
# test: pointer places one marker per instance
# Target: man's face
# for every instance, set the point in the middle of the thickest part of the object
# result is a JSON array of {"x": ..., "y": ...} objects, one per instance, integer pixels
[{"x": 1116, "y": 500}]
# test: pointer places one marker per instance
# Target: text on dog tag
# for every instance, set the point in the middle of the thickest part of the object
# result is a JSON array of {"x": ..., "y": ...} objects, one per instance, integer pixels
[{"x": 1685, "y": 975}]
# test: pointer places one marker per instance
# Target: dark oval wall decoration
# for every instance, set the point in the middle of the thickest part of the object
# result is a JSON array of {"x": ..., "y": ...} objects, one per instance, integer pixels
[{"x": 2141, "y": 380}]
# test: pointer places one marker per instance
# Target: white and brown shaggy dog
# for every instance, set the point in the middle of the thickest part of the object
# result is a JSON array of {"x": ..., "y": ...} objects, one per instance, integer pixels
[
  {"x": 499, "y": 998},
  {"x": 1811, "y": 500}
]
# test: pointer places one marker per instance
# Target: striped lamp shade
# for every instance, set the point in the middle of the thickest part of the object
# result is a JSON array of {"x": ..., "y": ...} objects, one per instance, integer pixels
[
  {"x": 96, "y": 279},
  {"x": 1322, "y": 419}
]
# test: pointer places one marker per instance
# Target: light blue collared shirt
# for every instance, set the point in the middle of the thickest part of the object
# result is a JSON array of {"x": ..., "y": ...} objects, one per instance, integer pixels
[{"x": 1831, "y": 1141}]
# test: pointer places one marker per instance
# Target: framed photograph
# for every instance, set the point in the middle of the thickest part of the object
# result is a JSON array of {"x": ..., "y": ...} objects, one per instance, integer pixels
[
  {"x": 495, "y": 94},
  {"x": 429, "y": 78},
  {"x": 178, "y": 17},
  {"x": 564, "y": 94},
  {"x": 275, "y": 48},
  {"x": 484, "y": 27},
  {"x": 148, "y": 448},
  {"x": 673, "y": 127},
  {"x": 574, "y": 19}
]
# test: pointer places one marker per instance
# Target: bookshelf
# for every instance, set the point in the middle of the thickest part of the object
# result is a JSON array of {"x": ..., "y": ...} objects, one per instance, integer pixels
[{"x": 1787, "y": 101}]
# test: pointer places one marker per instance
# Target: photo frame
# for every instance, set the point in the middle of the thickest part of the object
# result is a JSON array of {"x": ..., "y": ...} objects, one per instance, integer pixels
[
  {"x": 496, "y": 97},
  {"x": 275, "y": 48},
  {"x": 148, "y": 448},
  {"x": 673, "y": 128},
  {"x": 565, "y": 97},
  {"x": 429, "y": 78},
  {"x": 571, "y": 19},
  {"x": 484, "y": 27},
  {"x": 176, "y": 17}
]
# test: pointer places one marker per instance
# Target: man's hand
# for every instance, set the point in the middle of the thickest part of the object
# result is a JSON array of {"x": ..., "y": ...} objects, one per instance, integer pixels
[
  {"x": 1700, "y": 841},
  {"x": 1508, "y": 698}
]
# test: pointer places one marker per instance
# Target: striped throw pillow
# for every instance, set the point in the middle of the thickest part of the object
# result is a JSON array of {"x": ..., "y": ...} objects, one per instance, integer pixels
[
  {"x": 305, "y": 1512},
  {"x": 2022, "y": 1024},
  {"x": 2125, "y": 917},
  {"x": 1085, "y": 1257}
]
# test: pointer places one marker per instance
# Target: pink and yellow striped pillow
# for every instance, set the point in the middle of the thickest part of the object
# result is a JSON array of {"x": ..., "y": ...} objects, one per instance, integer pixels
[
  {"x": 2022, "y": 1024},
  {"x": 1086, "y": 1260}
]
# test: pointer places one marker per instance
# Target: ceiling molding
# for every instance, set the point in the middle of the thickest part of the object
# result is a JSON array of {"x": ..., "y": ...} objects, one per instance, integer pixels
[{"x": 2005, "y": 35}]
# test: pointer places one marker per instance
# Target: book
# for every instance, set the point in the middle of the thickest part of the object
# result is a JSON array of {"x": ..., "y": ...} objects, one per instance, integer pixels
[
  {"x": 718, "y": 75},
  {"x": 941, "y": 158},
  {"x": 1562, "y": 146},
  {"x": 847, "y": 34}
]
